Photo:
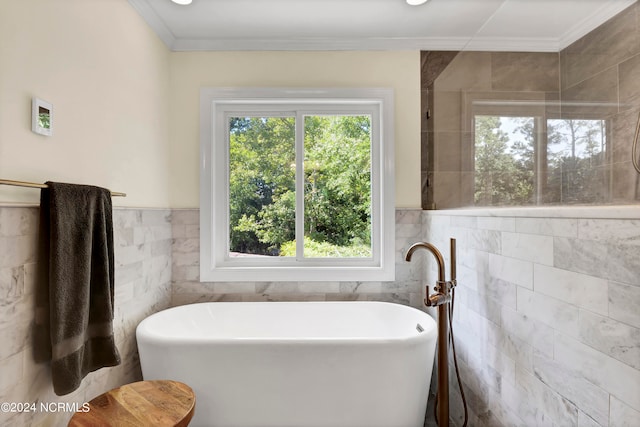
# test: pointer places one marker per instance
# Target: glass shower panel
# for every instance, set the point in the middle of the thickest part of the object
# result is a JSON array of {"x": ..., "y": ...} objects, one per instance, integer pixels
[{"x": 502, "y": 129}]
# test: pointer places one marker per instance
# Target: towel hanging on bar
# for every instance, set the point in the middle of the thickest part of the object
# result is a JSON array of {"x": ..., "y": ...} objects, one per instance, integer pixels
[{"x": 75, "y": 292}]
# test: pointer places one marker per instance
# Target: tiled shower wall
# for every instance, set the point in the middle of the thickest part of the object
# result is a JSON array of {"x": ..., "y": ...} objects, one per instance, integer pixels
[
  {"x": 187, "y": 288},
  {"x": 546, "y": 317},
  {"x": 143, "y": 286},
  {"x": 602, "y": 69}
]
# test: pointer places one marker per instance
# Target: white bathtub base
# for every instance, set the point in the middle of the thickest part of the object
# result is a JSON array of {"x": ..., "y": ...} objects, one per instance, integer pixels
[{"x": 290, "y": 381}]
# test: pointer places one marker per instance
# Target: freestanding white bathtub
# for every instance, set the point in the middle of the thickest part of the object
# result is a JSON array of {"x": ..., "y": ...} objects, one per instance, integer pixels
[{"x": 295, "y": 364}]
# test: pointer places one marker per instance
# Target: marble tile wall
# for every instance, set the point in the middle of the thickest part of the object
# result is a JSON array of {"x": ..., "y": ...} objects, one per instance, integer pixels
[
  {"x": 187, "y": 288},
  {"x": 142, "y": 285},
  {"x": 546, "y": 320}
]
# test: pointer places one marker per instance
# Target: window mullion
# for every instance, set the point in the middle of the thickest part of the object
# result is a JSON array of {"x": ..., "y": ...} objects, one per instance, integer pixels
[
  {"x": 541, "y": 157},
  {"x": 299, "y": 186}
]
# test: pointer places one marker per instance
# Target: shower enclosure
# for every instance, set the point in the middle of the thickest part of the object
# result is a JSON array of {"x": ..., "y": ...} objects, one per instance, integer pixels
[{"x": 529, "y": 128}]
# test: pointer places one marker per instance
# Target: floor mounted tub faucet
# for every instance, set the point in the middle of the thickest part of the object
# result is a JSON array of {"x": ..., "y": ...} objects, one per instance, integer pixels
[{"x": 440, "y": 299}]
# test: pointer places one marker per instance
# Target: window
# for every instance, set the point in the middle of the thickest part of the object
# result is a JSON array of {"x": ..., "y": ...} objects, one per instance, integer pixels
[
  {"x": 297, "y": 185},
  {"x": 578, "y": 164},
  {"x": 504, "y": 160},
  {"x": 532, "y": 160}
]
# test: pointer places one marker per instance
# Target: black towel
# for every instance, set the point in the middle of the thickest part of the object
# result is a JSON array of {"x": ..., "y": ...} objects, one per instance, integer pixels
[{"x": 74, "y": 300}]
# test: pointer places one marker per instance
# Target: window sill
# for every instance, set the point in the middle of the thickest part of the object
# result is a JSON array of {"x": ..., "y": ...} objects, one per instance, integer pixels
[{"x": 295, "y": 274}]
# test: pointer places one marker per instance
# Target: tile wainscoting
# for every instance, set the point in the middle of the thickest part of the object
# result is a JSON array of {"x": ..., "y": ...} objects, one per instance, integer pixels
[
  {"x": 546, "y": 321},
  {"x": 142, "y": 240}
]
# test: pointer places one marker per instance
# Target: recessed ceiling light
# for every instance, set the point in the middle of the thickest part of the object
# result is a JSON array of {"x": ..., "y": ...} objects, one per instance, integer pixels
[
  {"x": 183, "y": 2},
  {"x": 414, "y": 2}
]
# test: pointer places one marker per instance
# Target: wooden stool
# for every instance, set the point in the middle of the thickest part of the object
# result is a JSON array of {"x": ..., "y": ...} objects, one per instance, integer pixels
[{"x": 145, "y": 403}]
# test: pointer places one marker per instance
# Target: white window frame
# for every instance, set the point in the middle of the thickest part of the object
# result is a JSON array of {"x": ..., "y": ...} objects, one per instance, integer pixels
[{"x": 215, "y": 262}]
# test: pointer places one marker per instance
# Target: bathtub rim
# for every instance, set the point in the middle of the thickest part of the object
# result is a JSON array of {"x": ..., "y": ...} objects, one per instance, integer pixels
[{"x": 429, "y": 326}]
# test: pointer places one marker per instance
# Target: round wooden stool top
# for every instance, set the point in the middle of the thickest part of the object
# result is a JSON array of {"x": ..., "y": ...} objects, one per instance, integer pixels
[{"x": 160, "y": 403}]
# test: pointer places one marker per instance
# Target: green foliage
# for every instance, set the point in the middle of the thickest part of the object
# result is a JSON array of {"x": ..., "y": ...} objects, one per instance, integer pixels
[
  {"x": 314, "y": 249},
  {"x": 337, "y": 184},
  {"x": 261, "y": 151},
  {"x": 504, "y": 173},
  {"x": 576, "y": 167},
  {"x": 570, "y": 167},
  {"x": 337, "y": 179}
]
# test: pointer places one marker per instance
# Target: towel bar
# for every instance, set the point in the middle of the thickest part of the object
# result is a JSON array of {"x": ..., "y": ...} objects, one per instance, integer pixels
[{"x": 36, "y": 185}]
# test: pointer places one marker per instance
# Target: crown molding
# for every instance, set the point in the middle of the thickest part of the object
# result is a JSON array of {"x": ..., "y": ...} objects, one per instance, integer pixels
[
  {"x": 317, "y": 44},
  {"x": 513, "y": 44},
  {"x": 599, "y": 17},
  {"x": 369, "y": 44}
]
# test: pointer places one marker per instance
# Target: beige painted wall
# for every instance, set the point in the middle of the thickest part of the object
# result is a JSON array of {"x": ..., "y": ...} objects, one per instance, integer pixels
[
  {"x": 107, "y": 75},
  {"x": 192, "y": 70},
  {"x": 126, "y": 109}
]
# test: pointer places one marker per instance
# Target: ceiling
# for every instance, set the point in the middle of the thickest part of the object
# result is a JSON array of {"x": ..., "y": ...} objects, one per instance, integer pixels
[{"x": 513, "y": 25}]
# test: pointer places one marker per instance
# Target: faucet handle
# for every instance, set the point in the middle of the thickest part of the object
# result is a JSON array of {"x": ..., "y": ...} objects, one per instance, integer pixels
[{"x": 427, "y": 301}]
